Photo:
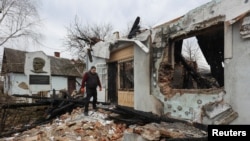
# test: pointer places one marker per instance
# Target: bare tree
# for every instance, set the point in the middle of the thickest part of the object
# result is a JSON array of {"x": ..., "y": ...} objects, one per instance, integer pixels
[
  {"x": 190, "y": 50},
  {"x": 18, "y": 18},
  {"x": 80, "y": 37}
]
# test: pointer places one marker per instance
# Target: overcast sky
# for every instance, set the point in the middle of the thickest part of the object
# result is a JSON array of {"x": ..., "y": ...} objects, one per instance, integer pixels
[{"x": 58, "y": 14}]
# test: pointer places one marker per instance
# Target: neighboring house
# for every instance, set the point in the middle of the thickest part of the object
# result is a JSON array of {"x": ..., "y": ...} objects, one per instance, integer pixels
[
  {"x": 148, "y": 71},
  {"x": 28, "y": 73}
]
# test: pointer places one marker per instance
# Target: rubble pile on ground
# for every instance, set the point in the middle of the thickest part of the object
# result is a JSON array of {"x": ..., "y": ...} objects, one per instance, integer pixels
[
  {"x": 157, "y": 131},
  {"x": 73, "y": 127},
  {"x": 98, "y": 126}
]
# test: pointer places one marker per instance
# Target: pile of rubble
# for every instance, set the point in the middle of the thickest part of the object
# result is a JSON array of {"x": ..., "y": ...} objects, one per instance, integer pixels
[{"x": 98, "y": 126}]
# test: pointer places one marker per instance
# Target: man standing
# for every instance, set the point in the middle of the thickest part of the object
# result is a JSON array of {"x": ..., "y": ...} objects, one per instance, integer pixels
[{"x": 90, "y": 81}]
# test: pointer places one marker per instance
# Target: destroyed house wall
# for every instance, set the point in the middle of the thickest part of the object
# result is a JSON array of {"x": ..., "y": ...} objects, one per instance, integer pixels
[
  {"x": 208, "y": 102},
  {"x": 174, "y": 68},
  {"x": 211, "y": 25},
  {"x": 190, "y": 104},
  {"x": 193, "y": 104}
]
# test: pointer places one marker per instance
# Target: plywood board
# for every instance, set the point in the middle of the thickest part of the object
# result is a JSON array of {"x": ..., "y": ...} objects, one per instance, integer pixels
[
  {"x": 124, "y": 53},
  {"x": 126, "y": 98}
]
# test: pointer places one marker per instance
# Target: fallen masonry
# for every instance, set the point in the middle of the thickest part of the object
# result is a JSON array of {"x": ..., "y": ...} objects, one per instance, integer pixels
[{"x": 110, "y": 123}]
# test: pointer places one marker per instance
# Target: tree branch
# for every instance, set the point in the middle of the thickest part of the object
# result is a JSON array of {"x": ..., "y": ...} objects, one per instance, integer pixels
[{"x": 18, "y": 20}]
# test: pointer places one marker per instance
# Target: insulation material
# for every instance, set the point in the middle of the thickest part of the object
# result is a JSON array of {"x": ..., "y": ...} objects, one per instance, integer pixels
[{"x": 101, "y": 49}]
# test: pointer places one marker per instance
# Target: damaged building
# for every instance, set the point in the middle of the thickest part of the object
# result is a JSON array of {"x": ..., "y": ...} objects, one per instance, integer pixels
[
  {"x": 149, "y": 72},
  {"x": 35, "y": 73}
]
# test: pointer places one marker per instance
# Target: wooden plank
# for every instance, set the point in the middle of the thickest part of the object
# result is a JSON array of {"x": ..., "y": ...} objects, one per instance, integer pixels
[
  {"x": 126, "y": 98},
  {"x": 124, "y": 53}
]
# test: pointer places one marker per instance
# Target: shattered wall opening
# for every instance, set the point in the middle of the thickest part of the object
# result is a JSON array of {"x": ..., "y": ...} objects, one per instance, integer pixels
[
  {"x": 195, "y": 59},
  {"x": 177, "y": 71}
]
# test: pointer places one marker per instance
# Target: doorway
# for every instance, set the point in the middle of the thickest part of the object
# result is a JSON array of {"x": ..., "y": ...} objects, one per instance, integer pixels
[
  {"x": 112, "y": 82},
  {"x": 71, "y": 84}
]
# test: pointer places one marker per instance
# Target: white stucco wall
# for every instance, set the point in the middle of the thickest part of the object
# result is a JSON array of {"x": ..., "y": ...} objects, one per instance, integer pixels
[
  {"x": 29, "y": 71},
  {"x": 15, "y": 80},
  {"x": 237, "y": 76},
  {"x": 96, "y": 60},
  {"x": 142, "y": 99},
  {"x": 6, "y": 85},
  {"x": 230, "y": 8},
  {"x": 59, "y": 83}
]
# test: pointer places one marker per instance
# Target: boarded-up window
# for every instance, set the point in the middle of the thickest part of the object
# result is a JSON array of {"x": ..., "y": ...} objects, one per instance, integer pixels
[{"x": 126, "y": 75}]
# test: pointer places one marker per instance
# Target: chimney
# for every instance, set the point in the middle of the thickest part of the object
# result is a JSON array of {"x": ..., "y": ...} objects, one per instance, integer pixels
[
  {"x": 116, "y": 35},
  {"x": 57, "y": 54}
]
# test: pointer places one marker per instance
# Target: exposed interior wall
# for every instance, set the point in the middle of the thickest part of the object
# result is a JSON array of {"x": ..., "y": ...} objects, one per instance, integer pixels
[{"x": 175, "y": 69}]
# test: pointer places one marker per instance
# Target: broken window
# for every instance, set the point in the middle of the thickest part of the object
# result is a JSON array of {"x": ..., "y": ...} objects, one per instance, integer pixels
[
  {"x": 194, "y": 58},
  {"x": 196, "y": 62},
  {"x": 126, "y": 77}
]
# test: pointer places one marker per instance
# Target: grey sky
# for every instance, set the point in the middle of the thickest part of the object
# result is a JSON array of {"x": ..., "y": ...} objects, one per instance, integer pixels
[{"x": 58, "y": 14}]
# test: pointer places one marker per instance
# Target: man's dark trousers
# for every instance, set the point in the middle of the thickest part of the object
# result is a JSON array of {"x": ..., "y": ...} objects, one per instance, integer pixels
[{"x": 90, "y": 93}]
